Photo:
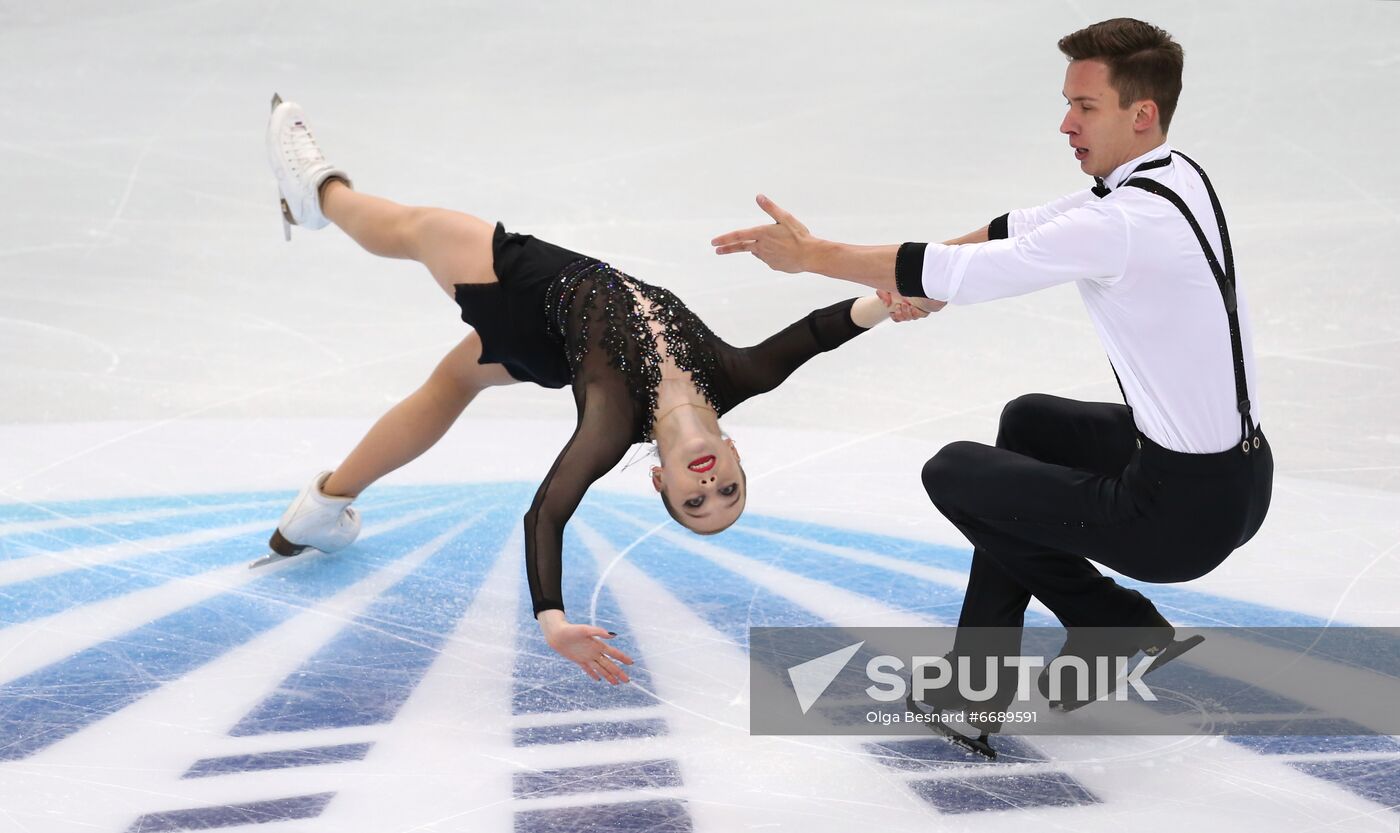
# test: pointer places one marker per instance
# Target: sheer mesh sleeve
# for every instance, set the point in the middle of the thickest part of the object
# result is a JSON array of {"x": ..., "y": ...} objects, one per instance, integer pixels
[
  {"x": 602, "y": 437},
  {"x": 759, "y": 369}
]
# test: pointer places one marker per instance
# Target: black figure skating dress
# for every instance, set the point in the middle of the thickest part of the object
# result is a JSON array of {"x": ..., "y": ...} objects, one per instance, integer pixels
[{"x": 560, "y": 318}]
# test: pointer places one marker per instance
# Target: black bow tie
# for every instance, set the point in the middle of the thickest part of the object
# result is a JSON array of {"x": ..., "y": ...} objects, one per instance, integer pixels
[{"x": 1100, "y": 190}]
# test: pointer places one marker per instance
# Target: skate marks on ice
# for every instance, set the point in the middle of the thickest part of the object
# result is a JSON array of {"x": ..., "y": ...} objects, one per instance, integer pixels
[
  {"x": 554, "y": 705},
  {"x": 907, "y": 576},
  {"x": 76, "y": 698},
  {"x": 746, "y": 581},
  {"x": 361, "y": 635}
]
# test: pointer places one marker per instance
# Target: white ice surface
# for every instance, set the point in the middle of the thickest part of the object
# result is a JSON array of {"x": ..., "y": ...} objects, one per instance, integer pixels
[{"x": 157, "y": 337}]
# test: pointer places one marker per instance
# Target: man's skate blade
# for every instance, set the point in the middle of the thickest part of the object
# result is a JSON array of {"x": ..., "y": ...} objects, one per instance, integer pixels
[
  {"x": 977, "y": 746},
  {"x": 1174, "y": 650},
  {"x": 1166, "y": 655},
  {"x": 1067, "y": 706}
]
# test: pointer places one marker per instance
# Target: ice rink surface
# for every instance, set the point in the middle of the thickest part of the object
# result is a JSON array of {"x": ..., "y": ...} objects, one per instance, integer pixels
[{"x": 173, "y": 372}]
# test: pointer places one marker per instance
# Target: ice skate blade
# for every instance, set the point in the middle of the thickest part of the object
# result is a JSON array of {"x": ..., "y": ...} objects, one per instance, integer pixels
[
  {"x": 1173, "y": 650},
  {"x": 287, "y": 221},
  {"x": 281, "y": 546},
  {"x": 270, "y": 558},
  {"x": 979, "y": 745},
  {"x": 282, "y": 549}
]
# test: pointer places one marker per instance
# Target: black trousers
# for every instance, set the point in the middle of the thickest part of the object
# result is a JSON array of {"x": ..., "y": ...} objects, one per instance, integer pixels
[{"x": 1073, "y": 482}]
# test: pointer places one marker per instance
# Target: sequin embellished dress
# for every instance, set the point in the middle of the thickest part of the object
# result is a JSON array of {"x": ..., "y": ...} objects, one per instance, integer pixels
[{"x": 586, "y": 316}]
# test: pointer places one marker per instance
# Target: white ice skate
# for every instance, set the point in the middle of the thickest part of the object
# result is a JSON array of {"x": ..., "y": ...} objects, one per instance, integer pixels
[
  {"x": 299, "y": 165},
  {"x": 315, "y": 520}
]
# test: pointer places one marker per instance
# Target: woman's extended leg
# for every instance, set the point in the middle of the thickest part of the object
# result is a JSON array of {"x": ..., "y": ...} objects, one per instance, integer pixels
[
  {"x": 321, "y": 515},
  {"x": 455, "y": 247},
  {"x": 419, "y": 421}
]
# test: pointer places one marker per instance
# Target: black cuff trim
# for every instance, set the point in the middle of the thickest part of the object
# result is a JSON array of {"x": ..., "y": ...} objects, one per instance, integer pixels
[
  {"x": 909, "y": 270},
  {"x": 999, "y": 229}
]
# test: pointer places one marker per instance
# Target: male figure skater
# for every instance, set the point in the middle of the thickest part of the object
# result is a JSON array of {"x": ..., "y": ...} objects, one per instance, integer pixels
[{"x": 1161, "y": 489}]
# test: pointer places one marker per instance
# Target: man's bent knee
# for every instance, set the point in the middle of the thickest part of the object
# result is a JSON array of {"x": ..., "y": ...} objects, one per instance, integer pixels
[
  {"x": 1022, "y": 417},
  {"x": 946, "y": 471}
]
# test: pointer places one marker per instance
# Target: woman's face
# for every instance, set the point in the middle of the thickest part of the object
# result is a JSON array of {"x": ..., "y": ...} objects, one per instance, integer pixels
[{"x": 701, "y": 482}]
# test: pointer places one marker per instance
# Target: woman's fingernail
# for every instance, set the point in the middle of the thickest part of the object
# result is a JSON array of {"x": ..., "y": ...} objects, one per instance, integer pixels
[{"x": 612, "y": 633}]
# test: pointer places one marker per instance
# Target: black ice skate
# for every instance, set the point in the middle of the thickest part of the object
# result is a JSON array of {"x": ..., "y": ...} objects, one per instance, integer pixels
[
  {"x": 1115, "y": 645},
  {"x": 948, "y": 700},
  {"x": 980, "y": 745}
]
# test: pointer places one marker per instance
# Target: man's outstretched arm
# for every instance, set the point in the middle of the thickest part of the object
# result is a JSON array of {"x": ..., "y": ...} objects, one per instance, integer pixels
[{"x": 787, "y": 246}]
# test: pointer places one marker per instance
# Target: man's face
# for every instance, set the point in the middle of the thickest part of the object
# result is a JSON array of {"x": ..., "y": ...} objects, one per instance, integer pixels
[{"x": 1101, "y": 132}]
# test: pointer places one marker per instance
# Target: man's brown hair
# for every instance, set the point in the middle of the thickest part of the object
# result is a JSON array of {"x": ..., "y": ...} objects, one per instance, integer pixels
[{"x": 1143, "y": 61}]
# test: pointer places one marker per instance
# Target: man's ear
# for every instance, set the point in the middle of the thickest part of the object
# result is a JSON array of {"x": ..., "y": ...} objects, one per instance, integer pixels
[
  {"x": 656, "y": 478},
  {"x": 1146, "y": 117}
]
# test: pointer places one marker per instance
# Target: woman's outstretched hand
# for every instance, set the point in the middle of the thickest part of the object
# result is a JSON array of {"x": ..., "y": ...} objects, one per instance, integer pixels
[
  {"x": 908, "y": 309},
  {"x": 783, "y": 244},
  {"x": 584, "y": 645}
]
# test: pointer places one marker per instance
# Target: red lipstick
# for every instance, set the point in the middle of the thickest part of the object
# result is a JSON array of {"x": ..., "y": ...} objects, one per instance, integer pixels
[{"x": 700, "y": 465}]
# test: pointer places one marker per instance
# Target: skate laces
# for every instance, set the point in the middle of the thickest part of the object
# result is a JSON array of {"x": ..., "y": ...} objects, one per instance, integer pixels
[{"x": 301, "y": 146}]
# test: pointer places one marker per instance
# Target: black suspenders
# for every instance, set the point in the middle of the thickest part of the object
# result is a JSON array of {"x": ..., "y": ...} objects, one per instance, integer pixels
[{"x": 1224, "y": 279}]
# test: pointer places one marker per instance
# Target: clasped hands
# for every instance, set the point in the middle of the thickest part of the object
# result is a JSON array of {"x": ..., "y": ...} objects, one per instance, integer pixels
[{"x": 787, "y": 246}]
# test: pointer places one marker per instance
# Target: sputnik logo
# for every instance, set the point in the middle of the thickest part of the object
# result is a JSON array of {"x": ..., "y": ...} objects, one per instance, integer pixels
[{"x": 811, "y": 679}]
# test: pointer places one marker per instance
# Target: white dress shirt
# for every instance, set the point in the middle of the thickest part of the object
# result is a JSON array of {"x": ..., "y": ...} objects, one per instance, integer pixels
[{"x": 1148, "y": 288}]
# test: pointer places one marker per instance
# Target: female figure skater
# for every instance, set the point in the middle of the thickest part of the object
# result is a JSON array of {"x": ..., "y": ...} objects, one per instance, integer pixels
[{"x": 642, "y": 367}]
